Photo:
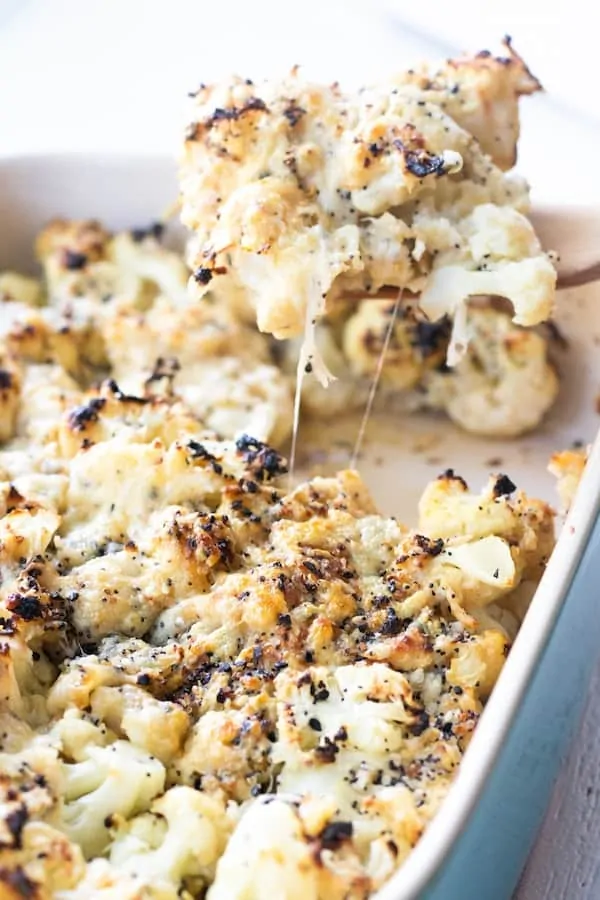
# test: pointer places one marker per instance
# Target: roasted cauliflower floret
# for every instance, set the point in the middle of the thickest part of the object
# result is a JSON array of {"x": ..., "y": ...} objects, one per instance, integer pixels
[
  {"x": 448, "y": 511},
  {"x": 187, "y": 334},
  {"x": 108, "y": 412},
  {"x": 499, "y": 255},
  {"x": 503, "y": 386},
  {"x": 45, "y": 863},
  {"x": 157, "y": 726},
  {"x": 283, "y": 225},
  {"x": 115, "y": 780},
  {"x": 33, "y": 852},
  {"x": 26, "y": 532},
  {"x": 251, "y": 865},
  {"x": 122, "y": 591},
  {"x": 144, "y": 479},
  {"x": 82, "y": 259},
  {"x": 47, "y": 393},
  {"x": 102, "y": 881},
  {"x": 63, "y": 336},
  {"x": 220, "y": 369},
  {"x": 125, "y": 589},
  {"x": 319, "y": 862},
  {"x": 178, "y": 841},
  {"x": 415, "y": 345},
  {"x": 24, "y": 677},
  {"x": 147, "y": 477},
  {"x": 229, "y": 750},
  {"x": 481, "y": 93}
]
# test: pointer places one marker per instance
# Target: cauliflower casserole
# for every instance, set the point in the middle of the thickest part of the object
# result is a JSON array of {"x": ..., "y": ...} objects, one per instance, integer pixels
[{"x": 213, "y": 684}]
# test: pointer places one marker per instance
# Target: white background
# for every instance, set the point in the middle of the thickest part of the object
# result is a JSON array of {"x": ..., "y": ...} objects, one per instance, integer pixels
[{"x": 113, "y": 75}]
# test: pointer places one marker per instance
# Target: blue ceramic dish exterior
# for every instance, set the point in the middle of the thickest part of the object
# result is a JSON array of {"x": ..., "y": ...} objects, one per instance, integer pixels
[{"x": 488, "y": 857}]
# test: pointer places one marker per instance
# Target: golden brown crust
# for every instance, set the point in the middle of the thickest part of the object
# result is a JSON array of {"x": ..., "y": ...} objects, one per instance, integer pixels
[
  {"x": 481, "y": 93},
  {"x": 298, "y": 194},
  {"x": 201, "y": 672}
]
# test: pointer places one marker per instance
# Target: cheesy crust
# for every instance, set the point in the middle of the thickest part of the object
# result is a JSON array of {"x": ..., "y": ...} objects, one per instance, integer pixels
[
  {"x": 298, "y": 193},
  {"x": 210, "y": 685}
]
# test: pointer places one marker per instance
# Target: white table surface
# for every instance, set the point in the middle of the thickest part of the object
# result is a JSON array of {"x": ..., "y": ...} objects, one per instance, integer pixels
[{"x": 113, "y": 74}]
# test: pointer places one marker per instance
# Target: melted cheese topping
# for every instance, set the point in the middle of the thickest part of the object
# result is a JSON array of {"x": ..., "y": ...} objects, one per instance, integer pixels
[
  {"x": 210, "y": 686},
  {"x": 287, "y": 185}
]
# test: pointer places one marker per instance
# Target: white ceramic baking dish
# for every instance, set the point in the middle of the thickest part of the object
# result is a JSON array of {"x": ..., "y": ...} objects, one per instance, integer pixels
[{"x": 476, "y": 847}]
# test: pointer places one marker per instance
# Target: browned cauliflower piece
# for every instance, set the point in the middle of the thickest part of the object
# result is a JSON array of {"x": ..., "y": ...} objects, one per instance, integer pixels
[
  {"x": 298, "y": 193},
  {"x": 482, "y": 94},
  {"x": 36, "y": 859},
  {"x": 503, "y": 386},
  {"x": 505, "y": 383}
]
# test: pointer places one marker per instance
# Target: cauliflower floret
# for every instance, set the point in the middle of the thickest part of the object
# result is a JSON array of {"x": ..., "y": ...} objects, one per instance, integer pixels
[
  {"x": 320, "y": 861},
  {"x": 448, "y": 510},
  {"x": 284, "y": 225},
  {"x": 77, "y": 681},
  {"x": 73, "y": 733},
  {"x": 177, "y": 842},
  {"x": 478, "y": 663},
  {"x": 186, "y": 334},
  {"x": 219, "y": 368},
  {"x": 143, "y": 478},
  {"x": 160, "y": 854},
  {"x": 102, "y": 881},
  {"x": 24, "y": 679},
  {"x": 146, "y": 269},
  {"x": 104, "y": 513},
  {"x": 253, "y": 865},
  {"x": 415, "y": 346},
  {"x": 233, "y": 397},
  {"x": 33, "y": 853},
  {"x": 503, "y": 386},
  {"x": 127, "y": 270},
  {"x": 44, "y": 863},
  {"x": 45, "y": 334},
  {"x": 25, "y": 533},
  {"x": 47, "y": 393},
  {"x": 108, "y": 412},
  {"x": 123, "y": 591},
  {"x": 481, "y": 93},
  {"x": 181, "y": 553},
  {"x": 229, "y": 749},
  {"x": 364, "y": 710},
  {"x": 157, "y": 726},
  {"x": 118, "y": 779}
]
